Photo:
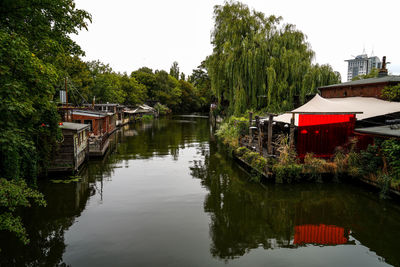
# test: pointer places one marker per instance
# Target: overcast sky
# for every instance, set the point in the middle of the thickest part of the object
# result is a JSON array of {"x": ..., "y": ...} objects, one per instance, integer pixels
[{"x": 155, "y": 33}]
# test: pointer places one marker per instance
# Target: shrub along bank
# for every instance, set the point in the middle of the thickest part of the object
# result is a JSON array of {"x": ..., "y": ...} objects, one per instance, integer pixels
[{"x": 379, "y": 163}]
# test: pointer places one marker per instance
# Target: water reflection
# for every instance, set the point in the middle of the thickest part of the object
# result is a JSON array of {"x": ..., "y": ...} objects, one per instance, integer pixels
[
  {"x": 320, "y": 235},
  {"x": 46, "y": 226},
  {"x": 243, "y": 216}
]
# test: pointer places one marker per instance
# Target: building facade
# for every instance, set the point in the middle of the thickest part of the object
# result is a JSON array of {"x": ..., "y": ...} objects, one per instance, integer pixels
[
  {"x": 361, "y": 65},
  {"x": 371, "y": 87},
  {"x": 101, "y": 123}
]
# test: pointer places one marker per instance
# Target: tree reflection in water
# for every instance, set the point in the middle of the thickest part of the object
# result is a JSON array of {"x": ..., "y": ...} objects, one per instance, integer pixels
[
  {"x": 46, "y": 227},
  {"x": 246, "y": 216}
]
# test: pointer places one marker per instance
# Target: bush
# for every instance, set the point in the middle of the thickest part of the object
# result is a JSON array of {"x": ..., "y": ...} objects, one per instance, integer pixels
[
  {"x": 147, "y": 117},
  {"x": 254, "y": 159},
  {"x": 391, "y": 152},
  {"x": 370, "y": 161},
  {"x": 353, "y": 164},
  {"x": 231, "y": 130},
  {"x": 287, "y": 154},
  {"x": 314, "y": 167},
  {"x": 286, "y": 168},
  {"x": 340, "y": 160},
  {"x": 259, "y": 163},
  {"x": 250, "y": 156},
  {"x": 287, "y": 172},
  {"x": 162, "y": 109},
  {"x": 240, "y": 151},
  {"x": 391, "y": 93}
]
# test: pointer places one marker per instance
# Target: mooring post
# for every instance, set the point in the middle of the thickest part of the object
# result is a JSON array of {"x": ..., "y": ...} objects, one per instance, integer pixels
[
  {"x": 291, "y": 136},
  {"x": 270, "y": 120}
]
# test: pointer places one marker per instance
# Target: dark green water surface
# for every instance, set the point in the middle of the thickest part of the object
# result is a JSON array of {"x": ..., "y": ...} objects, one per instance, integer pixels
[{"x": 169, "y": 195}]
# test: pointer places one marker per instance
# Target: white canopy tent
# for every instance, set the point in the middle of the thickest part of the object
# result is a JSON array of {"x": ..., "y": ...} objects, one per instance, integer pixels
[{"x": 364, "y": 107}]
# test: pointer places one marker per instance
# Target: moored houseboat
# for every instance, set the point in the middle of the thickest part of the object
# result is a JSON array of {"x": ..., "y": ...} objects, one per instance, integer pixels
[
  {"x": 102, "y": 124},
  {"x": 116, "y": 109},
  {"x": 73, "y": 149}
]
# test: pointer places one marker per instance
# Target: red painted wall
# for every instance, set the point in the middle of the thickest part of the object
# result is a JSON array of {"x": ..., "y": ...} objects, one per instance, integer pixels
[
  {"x": 321, "y": 134},
  {"x": 99, "y": 125}
]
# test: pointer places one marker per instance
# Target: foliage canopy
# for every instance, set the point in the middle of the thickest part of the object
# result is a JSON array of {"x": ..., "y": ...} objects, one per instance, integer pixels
[{"x": 254, "y": 57}]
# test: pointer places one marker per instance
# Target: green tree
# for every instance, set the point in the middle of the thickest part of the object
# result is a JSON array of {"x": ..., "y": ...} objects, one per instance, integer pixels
[
  {"x": 79, "y": 80},
  {"x": 106, "y": 86},
  {"x": 189, "y": 98},
  {"x": 373, "y": 74},
  {"x": 34, "y": 41},
  {"x": 146, "y": 77},
  {"x": 391, "y": 93},
  {"x": 316, "y": 76},
  {"x": 254, "y": 56},
  {"x": 202, "y": 82},
  {"x": 174, "y": 70},
  {"x": 46, "y": 24},
  {"x": 167, "y": 90},
  {"x": 135, "y": 92},
  {"x": 35, "y": 45},
  {"x": 28, "y": 117}
]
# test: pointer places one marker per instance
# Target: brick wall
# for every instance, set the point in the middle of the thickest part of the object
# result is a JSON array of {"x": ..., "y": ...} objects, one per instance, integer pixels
[{"x": 366, "y": 90}]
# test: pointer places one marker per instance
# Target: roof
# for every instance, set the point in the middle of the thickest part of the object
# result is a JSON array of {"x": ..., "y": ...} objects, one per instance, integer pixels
[
  {"x": 105, "y": 105},
  {"x": 129, "y": 111},
  {"x": 386, "y": 130},
  {"x": 144, "y": 106},
  {"x": 74, "y": 126},
  {"x": 369, "y": 106},
  {"x": 91, "y": 113},
  {"x": 385, "y": 79},
  {"x": 142, "y": 109}
]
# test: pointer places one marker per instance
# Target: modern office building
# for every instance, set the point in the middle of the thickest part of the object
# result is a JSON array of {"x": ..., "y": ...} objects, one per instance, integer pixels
[{"x": 362, "y": 65}]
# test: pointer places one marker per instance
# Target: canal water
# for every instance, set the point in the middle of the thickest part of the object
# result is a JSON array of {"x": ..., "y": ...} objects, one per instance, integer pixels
[{"x": 170, "y": 195}]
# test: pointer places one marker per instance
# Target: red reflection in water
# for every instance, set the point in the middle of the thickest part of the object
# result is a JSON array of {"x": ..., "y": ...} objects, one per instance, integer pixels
[{"x": 319, "y": 234}]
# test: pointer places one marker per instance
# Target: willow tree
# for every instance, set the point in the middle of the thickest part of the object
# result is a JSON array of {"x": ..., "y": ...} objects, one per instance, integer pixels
[
  {"x": 254, "y": 56},
  {"x": 316, "y": 76}
]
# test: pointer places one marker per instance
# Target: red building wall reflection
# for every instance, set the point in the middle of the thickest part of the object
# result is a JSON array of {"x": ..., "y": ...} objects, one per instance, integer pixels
[{"x": 320, "y": 234}]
